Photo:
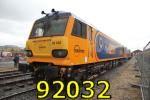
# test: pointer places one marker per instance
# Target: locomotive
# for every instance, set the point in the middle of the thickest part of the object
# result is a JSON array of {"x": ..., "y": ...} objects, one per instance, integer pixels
[{"x": 62, "y": 46}]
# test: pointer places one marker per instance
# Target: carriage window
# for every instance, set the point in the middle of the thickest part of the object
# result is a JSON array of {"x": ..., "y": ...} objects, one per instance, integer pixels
[
  {"x": 90, "y": 33},
  {"x": 38, "y": 30},
  {"x": 83, "y": 30},
  {"x": 79, "y": 29},
  {"x": 53, "y": 27},
  {"x": 56, "y": 27}
]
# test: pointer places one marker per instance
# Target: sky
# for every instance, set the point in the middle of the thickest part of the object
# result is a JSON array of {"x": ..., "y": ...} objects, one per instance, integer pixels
[{"x": 126, "y": 21}]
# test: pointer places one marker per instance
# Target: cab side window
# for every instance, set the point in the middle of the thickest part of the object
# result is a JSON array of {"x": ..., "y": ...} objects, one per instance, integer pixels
[
  {"x": 79, "y": 29},
  {"x": 90, "y": 33}
]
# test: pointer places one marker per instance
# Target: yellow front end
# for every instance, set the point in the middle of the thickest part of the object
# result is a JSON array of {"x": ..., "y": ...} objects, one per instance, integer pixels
[{"x": 42, "y": 49}]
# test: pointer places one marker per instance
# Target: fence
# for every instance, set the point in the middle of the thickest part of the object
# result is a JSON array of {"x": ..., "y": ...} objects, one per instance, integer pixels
[{"x": 143, "y": 62}]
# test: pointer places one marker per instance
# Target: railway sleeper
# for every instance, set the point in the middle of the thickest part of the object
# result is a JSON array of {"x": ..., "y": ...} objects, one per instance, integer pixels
[{"x": 7, "y": 88}]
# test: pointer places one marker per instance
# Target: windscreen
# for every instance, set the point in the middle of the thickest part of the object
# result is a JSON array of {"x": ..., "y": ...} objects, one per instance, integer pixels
[{"x": 51, "y": 27}]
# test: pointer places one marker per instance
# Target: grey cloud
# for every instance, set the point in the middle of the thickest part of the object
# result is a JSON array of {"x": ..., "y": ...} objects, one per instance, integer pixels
[
  {"x": 14, "y": 27},
  {"x": 16, "y": 19},
  {"x": 20, "y": 10}
]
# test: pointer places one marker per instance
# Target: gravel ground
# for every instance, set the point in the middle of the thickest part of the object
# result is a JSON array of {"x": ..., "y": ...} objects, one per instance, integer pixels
[
  {"x": 7, "y": 66},
  {"x": 122, "y": 80}
]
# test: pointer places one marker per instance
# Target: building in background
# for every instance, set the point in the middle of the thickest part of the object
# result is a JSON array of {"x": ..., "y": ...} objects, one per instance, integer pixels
[{"x": 136, "y": 52}]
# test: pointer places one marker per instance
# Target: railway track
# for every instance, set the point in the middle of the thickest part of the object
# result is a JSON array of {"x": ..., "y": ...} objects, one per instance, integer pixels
[
  {"x": 8, "y": 73},
  {"x": 15, "y": 83},
  {"x": 16, "y": 94},
  {"x": 8, "y": 76}
]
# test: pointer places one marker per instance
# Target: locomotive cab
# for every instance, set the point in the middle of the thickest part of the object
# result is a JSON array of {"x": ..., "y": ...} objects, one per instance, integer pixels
[
  {"x": 56, "y": 43},
  {"x": 60, "y": 39},
  {"x": 48, "y": 39}
]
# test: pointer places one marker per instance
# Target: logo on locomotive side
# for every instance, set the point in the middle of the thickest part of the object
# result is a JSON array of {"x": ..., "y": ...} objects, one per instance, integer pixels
[
  {"x": 99, "y": 45},
  {"x": 77, "y": 49}
]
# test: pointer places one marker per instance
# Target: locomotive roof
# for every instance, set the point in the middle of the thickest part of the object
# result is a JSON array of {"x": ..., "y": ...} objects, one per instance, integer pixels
[
  {"x": 62, "y": 14},
  {"x": 51, "y": 15}
]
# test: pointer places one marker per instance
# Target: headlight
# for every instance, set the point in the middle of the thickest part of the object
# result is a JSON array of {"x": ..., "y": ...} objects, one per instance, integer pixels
[
  {"x": 59, "y": 53},
  {"x": 69, "y": 72},
  {"x": 29, "y": 53}
]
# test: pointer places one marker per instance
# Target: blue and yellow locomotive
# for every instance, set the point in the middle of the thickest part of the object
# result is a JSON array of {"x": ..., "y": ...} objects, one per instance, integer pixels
[{"x": 62, "y": 46}]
